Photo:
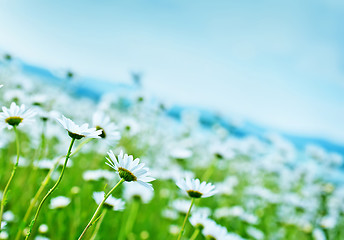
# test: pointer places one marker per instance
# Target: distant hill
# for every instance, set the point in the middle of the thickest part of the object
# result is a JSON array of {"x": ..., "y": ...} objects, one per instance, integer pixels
[{"x": 94, "y": 88}]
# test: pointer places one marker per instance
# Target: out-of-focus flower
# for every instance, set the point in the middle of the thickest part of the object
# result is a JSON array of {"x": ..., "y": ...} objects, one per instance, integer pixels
[
  {"x": 214, "y": 231},
  {"x": 111, "y": 202},
  {"x": 198, "y": 220},
  {"x": 3, "y": 235},
  {"x": 328, "y": 222},
  {"x": 195, "y": 189},
  {"x": 41, "y": 238},
  {"x": 170, "y": 214},
  {"x": 109, "y": 130},
  {"x": 181, "y": 205},
  {"x": 318, "y": 234},
  {"x": 43, "y": 228},
  {"x": 59, "y": 202},
  {"x": 95, "y": 175},
  {"x": 136, "y": 191},
  {"x": 15, "y": 115},
  {"x": 77, "y": 132},
  {"x": 255, "y": 233},
  {"x": 8, "y": 216},
  {"x": 129, "y": 169}
]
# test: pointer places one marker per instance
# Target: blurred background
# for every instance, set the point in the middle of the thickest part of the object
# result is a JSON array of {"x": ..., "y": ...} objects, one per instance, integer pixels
[
  {"x": 247, "y": 95},
  {"x": 278, "y": 65}
]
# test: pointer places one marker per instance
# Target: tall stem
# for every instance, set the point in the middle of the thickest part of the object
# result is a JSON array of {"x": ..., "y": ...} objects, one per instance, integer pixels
[
  {"x": 4, "y": 196},
  {"x": 45, "y": 182},
  {"x": 98, "y": 209},
  {"x": 195, "y": 234},
  {"x": 51, "y": 190},
  {"x": 210, "y": 170},
  {"x": 131, "y": 218},
  {"x": 96, "y": 230},
  {"x": 185, "y": 219}
]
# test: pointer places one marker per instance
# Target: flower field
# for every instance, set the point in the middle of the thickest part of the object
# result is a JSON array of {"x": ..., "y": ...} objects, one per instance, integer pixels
[{"x": 122, "y": 168}]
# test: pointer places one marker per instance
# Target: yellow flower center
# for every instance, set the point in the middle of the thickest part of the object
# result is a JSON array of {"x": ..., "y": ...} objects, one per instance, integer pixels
[
  {"x": 194, "y": 194},
  {"x": 126, "y": 175},
  {"x": 13, "y": 121},
  {"x": 74, "y": 135},
  {"x": 103, "y": 134}
]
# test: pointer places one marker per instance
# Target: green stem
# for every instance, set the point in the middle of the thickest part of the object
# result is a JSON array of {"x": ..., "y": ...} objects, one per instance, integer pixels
[
  {"x": 35, "y": 198},
  {"x": 78, "y": 148},
  {"x": 43, "y": 141},
  {"x": 185, "y": 219},
  {"x": 210, "y": 170},
  {"x": 195, "y": 234},
  {"x": 96, "y": 230},
  {"x": 132, "y": 216},
  {"x": 4, "y": 196},
  {"x": 51, "y": 190},
  {"x": 41, "y": 188},
  {"x": 98, "y": 209}
]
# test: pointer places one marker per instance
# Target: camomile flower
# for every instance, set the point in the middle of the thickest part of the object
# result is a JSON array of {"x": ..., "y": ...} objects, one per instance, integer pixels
[
  {"x": 59, "y": 202},
  {"x": 129, "y": 169},
  {"x": 181, "y": 205},
  {"x": 39, "y": 237},
  {"x": 137, "y": 191},
  {"x": 98, "y": 174},
  {"x": 109, "y": 130},
  {"x": 43, "y": 228},
  {"x": 1, "y": 85},
  {"x": 214, "y": 231},
  {"x": 3, "y": 235},
  {"x": 195, "y": 189},
  {"x": 15, "y": 115},
  {"x": 111, "y": 202},
  {"x": 198, "y": 220},
  {"x": 8, "y": 216},
  {"x": 77, "y": 132}
]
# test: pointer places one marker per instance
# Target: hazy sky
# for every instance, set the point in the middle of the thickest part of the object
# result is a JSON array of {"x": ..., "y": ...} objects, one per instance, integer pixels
[{"x": 279, "y": 63}]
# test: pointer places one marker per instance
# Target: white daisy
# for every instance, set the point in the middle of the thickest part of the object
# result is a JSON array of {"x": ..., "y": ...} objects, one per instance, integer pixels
[
  {"x": 15, "y": 115},
  {"x": 39, "y": 237},
  {"x": 59, "y": 202},
  {"x": 95, "y": 175},
  {"x": 109, "y": 130},
  {"x": 111, "y": 202},
  {"x": 129, "y": 169},
  {"x": 214, "y": 231},
  {"x": 8, "y": 216},
  {"x": 3, "y": 235},
  {"x": 43, "y": 228},
  {"x": 198, "y": 220},
  {"x": 78, "y": 132},
  {"x": 137, "y": 191},
  {"x": 181, "y": 205},
  {"x": 195, "y": 189},
  {"x": 1, "y": 85}
]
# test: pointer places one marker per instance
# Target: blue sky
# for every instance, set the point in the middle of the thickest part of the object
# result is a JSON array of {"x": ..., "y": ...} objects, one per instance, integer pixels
[{"x": 278, "y": 63}]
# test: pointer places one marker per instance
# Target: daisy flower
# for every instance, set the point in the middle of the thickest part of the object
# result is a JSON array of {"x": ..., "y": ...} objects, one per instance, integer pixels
[
  {"x": 109, "y": 130},
  {"x": 15, "y": 115},
  {"x": 195, "y": 189},
  {"x": 59, "y": 202},
  {"x": 43, "y": 228},
  {"x": 137, "y": 191},
  {"x": 129, "y": 169},
  {"x": 199, "y": 220},
  {"x": 1, "y": 85},
  {"x": 217, "y": 232},
  {"x": 111, "y": 202},
  {"x": 78, "y": 132}
]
